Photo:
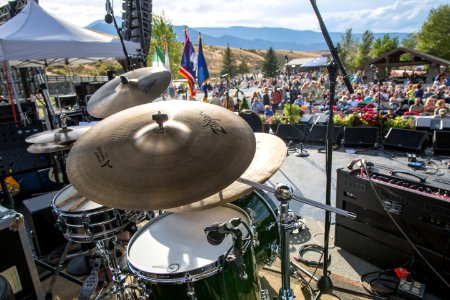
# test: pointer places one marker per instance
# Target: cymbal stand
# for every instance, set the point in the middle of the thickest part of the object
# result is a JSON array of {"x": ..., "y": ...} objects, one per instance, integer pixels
[
  {"x": 120, "y": 288},
  {"x": 287, "y": 223}
]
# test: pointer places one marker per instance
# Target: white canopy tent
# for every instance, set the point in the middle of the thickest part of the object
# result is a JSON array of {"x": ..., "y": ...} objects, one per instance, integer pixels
[{"x": 34, "y": 37}]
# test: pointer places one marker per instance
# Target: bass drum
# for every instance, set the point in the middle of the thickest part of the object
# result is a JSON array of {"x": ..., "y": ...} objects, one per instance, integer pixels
[
  {"x": 87, "y": 221},
  {"x": 172, "y": 256},
  {"x": 263, "y": 215}
]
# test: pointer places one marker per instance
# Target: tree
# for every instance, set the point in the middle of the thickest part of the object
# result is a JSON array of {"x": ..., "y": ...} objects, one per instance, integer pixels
[
  {"x": 433, "y": 37},
  {"x": 364, "y": 47},
  {"x": 243, "y": 68},
  {"x": 383, "y": 45},
  {"x": 228, "y": 66},
  {"x": 162, "y": 37},
  {"x": 347, "y": 50},
  {"x": 410, "y": 41},
  {"x": 270, "y": 66}
]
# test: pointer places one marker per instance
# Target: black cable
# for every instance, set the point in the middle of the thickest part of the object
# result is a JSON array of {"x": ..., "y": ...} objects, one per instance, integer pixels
[{"x": 315, "y": 248}]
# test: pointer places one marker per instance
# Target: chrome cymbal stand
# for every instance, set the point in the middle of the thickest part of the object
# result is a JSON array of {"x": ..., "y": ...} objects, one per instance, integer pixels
[
  {"x": 120, "y": 288},
  {"x": 287, "y": 223}
]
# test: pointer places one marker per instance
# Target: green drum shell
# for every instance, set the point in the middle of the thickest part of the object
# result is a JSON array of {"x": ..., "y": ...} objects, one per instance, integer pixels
[
  {"x": 224, "y": 285},
  {"x": 263, "y": 214}
]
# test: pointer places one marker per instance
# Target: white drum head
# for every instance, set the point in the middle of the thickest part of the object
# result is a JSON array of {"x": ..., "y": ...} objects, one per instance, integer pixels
[
  {"x": 177, "y": 242},
  {"x": 68, "y": 192}
]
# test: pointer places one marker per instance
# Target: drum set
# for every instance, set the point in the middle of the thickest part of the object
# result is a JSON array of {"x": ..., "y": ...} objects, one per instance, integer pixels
[{"x": 185, "y": 178}]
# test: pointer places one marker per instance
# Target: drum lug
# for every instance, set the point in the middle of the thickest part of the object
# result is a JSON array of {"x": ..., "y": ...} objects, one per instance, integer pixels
[
  {"x": 264, "y": 294},
  {"x": 255, "y": 241},
  {"x": 191, "y": 291},
  {"x": 269, "y": 228}
]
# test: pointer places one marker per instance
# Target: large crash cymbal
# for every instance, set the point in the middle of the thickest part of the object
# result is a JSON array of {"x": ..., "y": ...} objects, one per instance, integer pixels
[
  {"x": 270, "y": 154},
  {"x": 48, "y": 147},
  {"x": 127, "y": 161},
  {"x": 58, "y": 136},
  {"x": 133, "y": 88}
]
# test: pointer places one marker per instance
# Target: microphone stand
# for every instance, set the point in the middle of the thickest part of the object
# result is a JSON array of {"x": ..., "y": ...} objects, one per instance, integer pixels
[{"x": 325, "y": 284}]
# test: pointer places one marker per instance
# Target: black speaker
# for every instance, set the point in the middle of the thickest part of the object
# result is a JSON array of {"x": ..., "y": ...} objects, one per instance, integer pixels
[
  {"x": 441, "y": 142},
  {"x": 318, "y": 134},
  {"x": 292, "y": 132},
  {"x": 252, "y": 119},
  {"x": 42, "y": 225},
  {"x": 322, "y": 119},
  {"x": 360, "y": 136},
  {"x": 405, "y": 139}
]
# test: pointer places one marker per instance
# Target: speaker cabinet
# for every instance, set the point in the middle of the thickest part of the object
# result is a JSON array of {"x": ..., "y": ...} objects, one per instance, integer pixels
[
  {"x": 318, "y": 134},
  {"x": 360, "y": 136},
  {"x": 405, "y": 139},
  {"x": 292, "y": 132},
  {"x": 441, "y": 142},
  {"x": 16, "y": 263},
  {"x": 41, "y": 222}
]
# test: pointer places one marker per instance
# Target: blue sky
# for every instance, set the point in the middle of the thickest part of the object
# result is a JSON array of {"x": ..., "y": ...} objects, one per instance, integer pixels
[{"x": 360, "y": 15}]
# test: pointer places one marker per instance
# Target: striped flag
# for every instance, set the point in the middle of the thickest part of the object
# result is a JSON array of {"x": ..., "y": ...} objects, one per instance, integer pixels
[
  {"x": 158, "y": 59},
  {"x": 188, "y": 67}
]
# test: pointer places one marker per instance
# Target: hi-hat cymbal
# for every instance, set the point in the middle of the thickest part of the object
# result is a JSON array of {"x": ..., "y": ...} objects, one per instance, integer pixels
[
  {"x": 127, "y": 161},
  {"x": 133, "y": 88},
  {"x": 58, "y": 136},
  {"x": 48, "y": 147},
  {"x": 270, "y": 154}
]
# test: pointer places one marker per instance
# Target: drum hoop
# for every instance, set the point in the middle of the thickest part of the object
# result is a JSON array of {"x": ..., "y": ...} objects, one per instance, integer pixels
[
  {"x": 88, "y": 212},
  {"x": 188, "y": 276},
  {"x": 260, "y": 194}
]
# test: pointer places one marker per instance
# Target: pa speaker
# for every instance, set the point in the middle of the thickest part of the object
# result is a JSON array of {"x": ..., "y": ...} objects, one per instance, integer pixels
[
  {"x": 360, "y": 136},
  {"x": 293, "y": 132},
  {"x": 318, "y": 134},
  {"x": 405, "y": 139},
  {"x": 252, "y": 119},
  {"x": 441, "y": 142}
]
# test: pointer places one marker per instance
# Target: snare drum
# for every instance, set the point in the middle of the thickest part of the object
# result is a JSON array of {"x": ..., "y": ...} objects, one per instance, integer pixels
[
  {"x": 263, "y": 215},
  {"x": 87, "y": 221},
  {"x": 172, "y": 255}
]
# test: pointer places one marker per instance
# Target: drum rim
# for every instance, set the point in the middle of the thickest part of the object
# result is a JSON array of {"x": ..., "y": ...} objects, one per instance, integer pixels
[
  {"x": 102, "y": 208},
  {"x": 186, "y": 276}
]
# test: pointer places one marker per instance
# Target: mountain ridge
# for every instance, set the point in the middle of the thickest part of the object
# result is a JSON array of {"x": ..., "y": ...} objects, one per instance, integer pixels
[{"x": 260, "y": 38}]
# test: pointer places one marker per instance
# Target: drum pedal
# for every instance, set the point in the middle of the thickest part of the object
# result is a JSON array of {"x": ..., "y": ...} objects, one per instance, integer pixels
[{"x": 89, "y": 285}]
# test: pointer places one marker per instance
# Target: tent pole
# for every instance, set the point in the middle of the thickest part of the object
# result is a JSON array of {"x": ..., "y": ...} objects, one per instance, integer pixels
[{"x": 12, "y": 82}]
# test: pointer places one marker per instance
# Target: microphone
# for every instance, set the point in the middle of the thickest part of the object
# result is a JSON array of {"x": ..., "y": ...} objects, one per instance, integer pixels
[
  {"x": 224, "y": 76},
  {"x": 108, "y": 16},
  {"x": 216, "y": 233}
]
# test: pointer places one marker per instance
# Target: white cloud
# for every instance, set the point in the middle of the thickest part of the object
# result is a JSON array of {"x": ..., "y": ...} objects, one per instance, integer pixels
[{"x": 375, "y": 15}]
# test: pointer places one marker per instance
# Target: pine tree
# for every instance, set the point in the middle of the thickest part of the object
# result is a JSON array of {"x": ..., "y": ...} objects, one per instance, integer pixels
[
  {"x": 364, "y": 48},
  {"x": 243, "y": 68},
  {"x": 270, "y": 66},
  {"x": 228, "y": 66}
]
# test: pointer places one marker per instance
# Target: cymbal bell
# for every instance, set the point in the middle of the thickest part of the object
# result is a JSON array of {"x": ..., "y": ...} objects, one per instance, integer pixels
[
  {"x": 133, "y": 88},
  {"x": 48, "y": 147},
  {"x": 58, "y": 136},
  {"x": 161, "y": 155},
  {"x": 270, "y": 154}
]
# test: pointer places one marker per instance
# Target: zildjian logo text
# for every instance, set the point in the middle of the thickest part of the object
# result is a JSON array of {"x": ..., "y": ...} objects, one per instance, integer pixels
[
  {"x": 102, "y": 158},
  {"x": 212, "y": 124}
]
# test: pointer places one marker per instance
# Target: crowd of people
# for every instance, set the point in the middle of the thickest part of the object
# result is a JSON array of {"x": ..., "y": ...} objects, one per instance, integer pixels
[{"x": 310, "y": 90}]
